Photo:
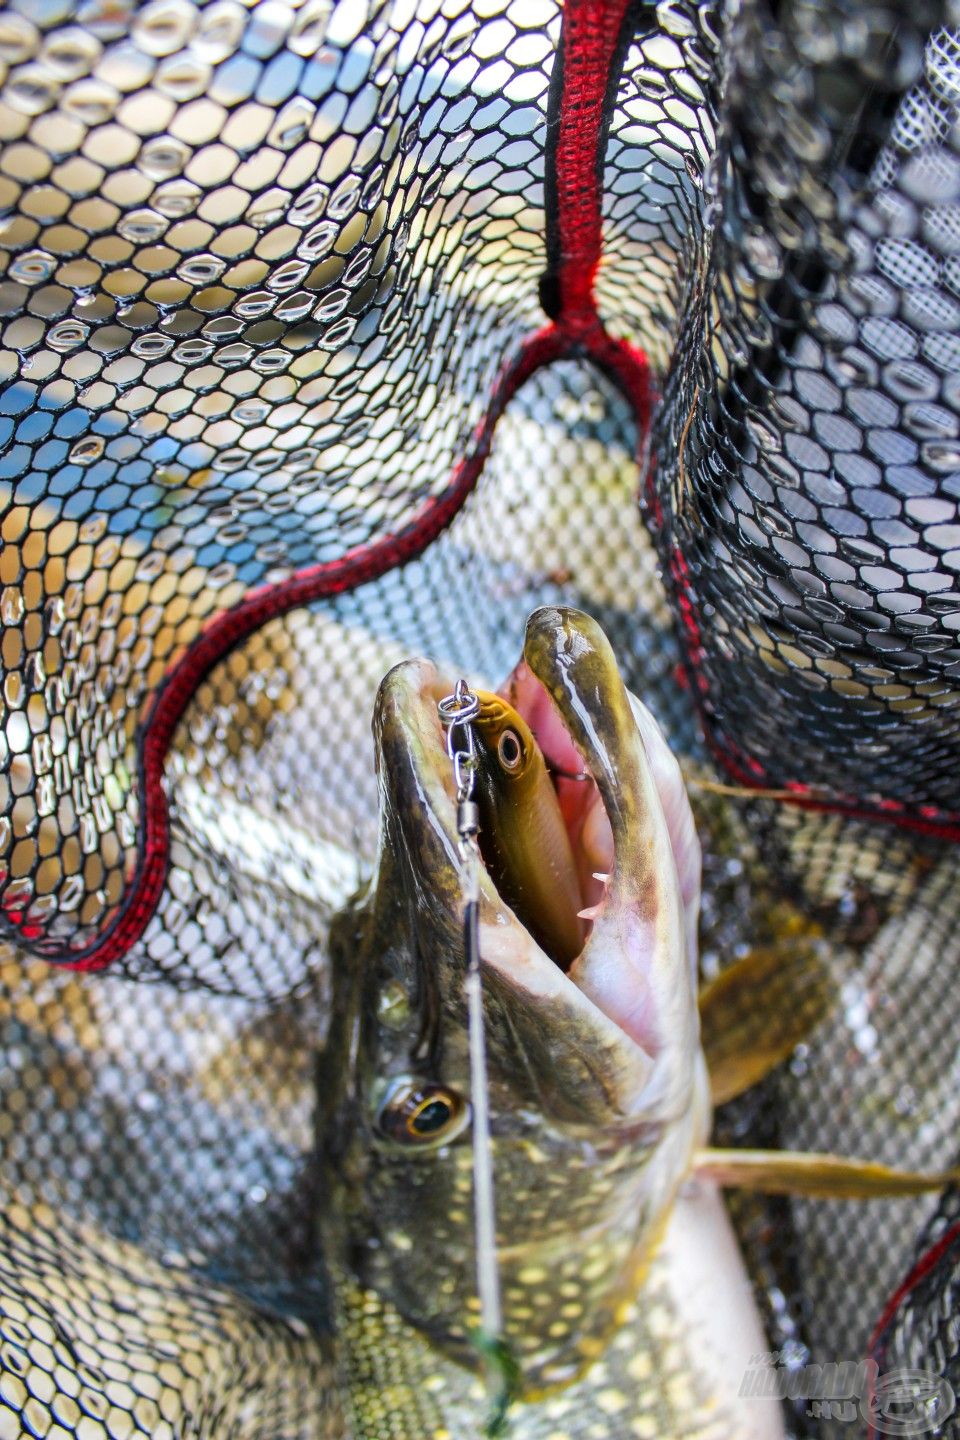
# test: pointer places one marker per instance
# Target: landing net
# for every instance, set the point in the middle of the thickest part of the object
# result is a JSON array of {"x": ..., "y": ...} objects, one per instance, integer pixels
[{"x": 333, "y": 334}]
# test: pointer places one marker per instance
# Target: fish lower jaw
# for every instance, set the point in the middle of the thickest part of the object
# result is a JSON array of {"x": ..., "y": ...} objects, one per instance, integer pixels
[{"x": 520, "y": 963}]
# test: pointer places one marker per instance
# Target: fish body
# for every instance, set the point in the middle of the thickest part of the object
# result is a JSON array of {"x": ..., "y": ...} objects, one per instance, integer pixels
[{"x": 598, "y": 1089}]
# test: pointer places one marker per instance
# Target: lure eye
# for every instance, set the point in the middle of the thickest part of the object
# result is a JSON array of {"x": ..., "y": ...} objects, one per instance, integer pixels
[
  {"x": 421, "y": 1113},
  {"x": 509, "y": 750}
]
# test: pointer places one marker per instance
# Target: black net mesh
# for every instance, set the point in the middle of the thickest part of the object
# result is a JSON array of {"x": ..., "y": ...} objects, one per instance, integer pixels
[
  {"x": 918, "y": 1331},
  {"x": 808, "y": 447},
  {"x": 281, "y": 406}
]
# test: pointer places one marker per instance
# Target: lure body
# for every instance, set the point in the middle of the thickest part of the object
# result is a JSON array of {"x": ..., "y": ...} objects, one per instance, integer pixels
[{"x": 523, "y": 838}]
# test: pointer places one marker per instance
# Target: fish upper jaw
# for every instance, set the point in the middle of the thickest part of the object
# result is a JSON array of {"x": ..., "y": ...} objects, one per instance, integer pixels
[{"x": 639, "y": 964}]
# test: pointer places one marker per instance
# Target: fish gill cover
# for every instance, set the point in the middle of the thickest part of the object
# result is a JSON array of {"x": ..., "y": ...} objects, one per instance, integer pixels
[{"x": 333, "y": 334}]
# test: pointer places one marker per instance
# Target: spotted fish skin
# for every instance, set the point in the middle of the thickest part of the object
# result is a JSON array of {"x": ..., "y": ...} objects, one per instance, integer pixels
[{"x": 592, "y": 1130}]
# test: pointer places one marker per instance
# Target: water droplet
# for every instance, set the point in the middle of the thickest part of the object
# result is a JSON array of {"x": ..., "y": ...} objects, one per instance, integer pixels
[
  {"x": 357, "y": 270},
  {"x": 943, "y": 456},
  {"x": 288, "y": 276},
  {"x": 271, "y": 362},
  {"x": 299, "y": 460},
  {"x": 309, "y": 30},
  {"x": 32, "y": 89},
  {"x": 152, "y": 346},
  {"x": 674, "y": 19},
  {"x": 163, "y": 26},
  {"x": 309, "y": 205},
  {"x": 11, "y": 605},
  {"x": 72, "y": 893},
  {"x": 264, "y": 462},
  {"x": 251, "y": 412},
  {"x": 337, "y": 335},
  {"x": 107, "y": 19},
  {"x": 201, "y": 269},
  {"x": 233, "y": 356},
  {"x": 692, "y": 167},
  {"x": 93, "y": 102},
  {"x": 151, "y": 566},
  {"x": 67, "y": 335},
  {"x": 87, "y": 450},
  {"x": 191, "y": 352},
  {"x": 318, "y": 242},
  {"x": 372, "y": 192},
  {"x": 907, "y": 380},
  {"x": 764, "y": 255},
  {"x": 294, "y": 307},
  {"x": 32, "y": 267},
  {"x": 220, "y": 30},
  {"x": 55, "y": 614},
  {"x": 176, "y": 199},
  {"x": 94, "y": 528},
  {"x": 344, "y": 200},
  {"x": 257, "y": 303},
  {"x": 305, "y": 484},
  {"x": 853, "y": 367},
  {"x": 268, "y": 209},
  {"x": 651, "y": 83},
  {"x": 222, "y": 328},
  {"x": 943, "y": 604},
  {"x": 71, "y": 53},
  {"x": 163, "y": 157},
  {"x": 182, "y": 78},
  {"x": 18, "y": 38},
  {"x": 142, "y": 226},
  {"x": 292, "y": 124},
  {"x": 333, "y": 304},
  {"x": 221, "y": 575},
  {"x": 230, "y": 460},
  {"x": 930, "y": 422}
]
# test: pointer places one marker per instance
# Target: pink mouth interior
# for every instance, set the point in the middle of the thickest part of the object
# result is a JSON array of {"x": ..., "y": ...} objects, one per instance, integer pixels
[{"x": 584, "y": 815}]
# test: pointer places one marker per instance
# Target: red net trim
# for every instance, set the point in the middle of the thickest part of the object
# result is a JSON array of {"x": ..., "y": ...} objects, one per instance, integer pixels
[
  {"x": 877, "y": 1347},
  {"x": 592, "y": 33}
]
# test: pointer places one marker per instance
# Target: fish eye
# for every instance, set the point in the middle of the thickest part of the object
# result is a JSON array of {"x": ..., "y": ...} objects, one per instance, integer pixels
[
  {"x": 421, "y": 1113},
  {"x": 509, "y": 750}
]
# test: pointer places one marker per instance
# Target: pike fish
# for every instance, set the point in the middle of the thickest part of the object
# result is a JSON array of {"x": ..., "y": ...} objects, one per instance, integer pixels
[
  {"x": 599, "y": 1088},
  {"x": 598, "y": 1085}
]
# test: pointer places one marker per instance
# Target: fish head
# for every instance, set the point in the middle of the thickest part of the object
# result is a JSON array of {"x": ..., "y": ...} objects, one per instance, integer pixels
[{"x": 596, "y": 1083}]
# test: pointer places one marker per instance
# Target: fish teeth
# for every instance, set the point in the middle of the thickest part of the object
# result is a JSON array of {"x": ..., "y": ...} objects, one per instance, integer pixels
[{"x": 592, "y": 910}]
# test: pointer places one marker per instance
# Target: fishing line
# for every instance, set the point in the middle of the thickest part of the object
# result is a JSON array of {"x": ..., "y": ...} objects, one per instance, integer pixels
[{"x": 457, "y": 712}]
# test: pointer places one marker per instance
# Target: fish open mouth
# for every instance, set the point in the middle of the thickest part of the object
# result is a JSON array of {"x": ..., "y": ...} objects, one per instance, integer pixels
[
  {"x": 579, "y": 802},
  {"x": 619, "y": 791}
]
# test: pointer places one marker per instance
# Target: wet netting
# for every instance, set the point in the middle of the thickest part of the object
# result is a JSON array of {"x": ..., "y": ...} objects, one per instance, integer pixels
[{"x": 332, "y": 334}]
